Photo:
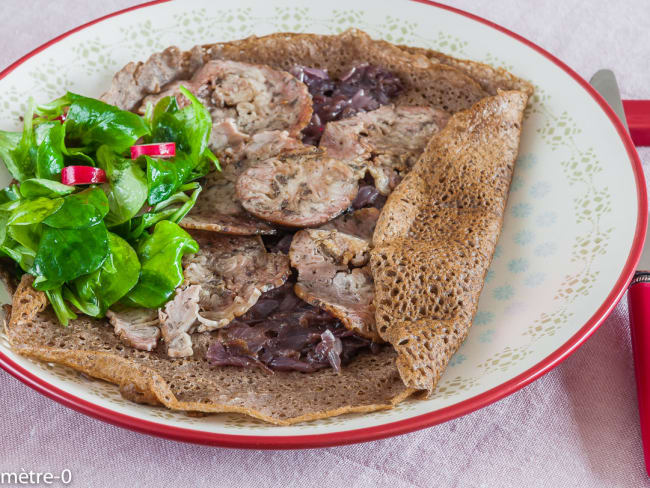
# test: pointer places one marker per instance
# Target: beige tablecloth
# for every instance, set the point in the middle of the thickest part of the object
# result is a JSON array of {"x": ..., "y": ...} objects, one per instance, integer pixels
[{"x": 575, "y": 427}]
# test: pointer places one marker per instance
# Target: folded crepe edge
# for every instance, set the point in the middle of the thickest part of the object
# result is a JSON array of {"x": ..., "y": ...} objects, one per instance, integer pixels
[
  {"x": 416, "y": 325},
  {"x": 137, "y": 382},
  {"x": 492, "y": 79}
]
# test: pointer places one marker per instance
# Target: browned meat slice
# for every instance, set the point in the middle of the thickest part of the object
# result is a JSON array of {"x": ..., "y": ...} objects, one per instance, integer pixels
[
  {"x": 227, "y": 140},
  {"x": 389, "y": 140},
  {"x": 136, "y": 80},
  {"x": 217, "y": 208},
  {"x": 171, "y": 90},
  {"x": 232, "y": 272},
  {"x": 222, "y": 281},
  {"x": 136, "y": 327},
  {"x": 244, "y": 99},
  {"x": 348, "y": 296},
  {"x": 177, "y": 320},
  {"x": 360, "y": 223},
  {"x": 269, "y": 143},
  {"x": 297, "y": 189},
  {"x": 323, "y": 259}
]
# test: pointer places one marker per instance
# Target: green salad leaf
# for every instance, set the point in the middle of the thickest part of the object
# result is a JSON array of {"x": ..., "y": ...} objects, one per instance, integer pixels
[
  {"x": 37, "y": 151},
  {"x": 168, "y": 124},
  {"x": 166, "y": 176},
  {"x": 63, "y": 312},
  {"x": 94, "y": 293},
  {"x": 10, "y": 194},
  {"x": 23, "y": 256},
  {"x": 160, "y": 254},
  {"x": 15, "y": 147},
  {"x": 83, "y": 209},
  {"x": 40, "y": 187},
  {"x": 4, "y": 217},
  {"x": 127, "y": 188},
  {"x": 26, "y": 212},
  {"x": 27, "y": 236},
  {"x": 8, "y": 153},
  {"x": 50, "y": 143},
  {"x": 66, "y": 254},
  {"x": 173, "y": 209},
  {"x": 91, "y": 123},
  {"x": 189, "y": 127}
]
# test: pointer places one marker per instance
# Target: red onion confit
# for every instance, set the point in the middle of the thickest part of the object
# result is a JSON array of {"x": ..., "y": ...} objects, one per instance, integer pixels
[
  {"x": 283, "y": 333},
  {"x": 363, "y": 88},
  {"x": 368, "y": 196}
]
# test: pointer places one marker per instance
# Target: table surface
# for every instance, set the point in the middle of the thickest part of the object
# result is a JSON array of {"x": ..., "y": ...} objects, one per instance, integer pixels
[{"x": 576, "y": 426}]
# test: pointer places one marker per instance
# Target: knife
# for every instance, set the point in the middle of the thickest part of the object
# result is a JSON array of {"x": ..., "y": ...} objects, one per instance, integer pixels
[{"x": 638, "y": 296}]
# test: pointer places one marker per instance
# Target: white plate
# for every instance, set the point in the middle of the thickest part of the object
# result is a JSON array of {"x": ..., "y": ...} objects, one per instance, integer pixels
[{"x": 573, "y": 231}]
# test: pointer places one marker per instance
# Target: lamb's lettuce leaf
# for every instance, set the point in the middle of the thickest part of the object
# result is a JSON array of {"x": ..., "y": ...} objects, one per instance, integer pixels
[
  {"x": 66, "y": 254},
  {"x": 17, "y": 148},
  {"x": 160, "y": 254},
  {"x": 83, "y": 209},
  {"x": 94, "y": 293},
  {"x": 127, "y": 186},
  {"x": 90, "y": 123},
  {"x": 188, "y": 127},
  {"x": 41, "y": 187},
  {"x": 50, "y": 146}
]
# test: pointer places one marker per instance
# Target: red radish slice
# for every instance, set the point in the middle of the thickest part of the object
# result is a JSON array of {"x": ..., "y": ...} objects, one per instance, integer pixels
[
  {"x": 82, "y": 175},
  {"x": 158, "y": 149},
  {"x": 61, "y": 118}
]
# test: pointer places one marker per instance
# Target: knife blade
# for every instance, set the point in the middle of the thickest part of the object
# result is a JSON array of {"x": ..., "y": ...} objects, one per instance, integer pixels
[
  {"x": 638, "y": 296},
  {"x": 604, "y": 81}
]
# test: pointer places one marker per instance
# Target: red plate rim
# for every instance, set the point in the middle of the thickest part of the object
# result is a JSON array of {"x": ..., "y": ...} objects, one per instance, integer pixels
[{"x": 397, "y": 427}]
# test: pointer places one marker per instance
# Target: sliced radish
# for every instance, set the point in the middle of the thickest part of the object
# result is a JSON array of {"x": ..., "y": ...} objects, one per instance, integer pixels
[
  {"x": 157, "y": 149},
  {"x": 61, "y": 118},
  {"x": 82, "y": 175}
]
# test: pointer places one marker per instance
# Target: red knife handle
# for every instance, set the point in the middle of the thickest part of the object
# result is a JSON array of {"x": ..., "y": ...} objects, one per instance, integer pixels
[
  {"x": 638, "y": 298},
  {"x": 637, "y": 113}
]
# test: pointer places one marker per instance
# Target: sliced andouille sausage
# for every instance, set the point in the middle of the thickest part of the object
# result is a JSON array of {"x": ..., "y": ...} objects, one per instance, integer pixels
[
  {"x": 297, "y": 189},
  {"x": 217, "y": 208},
  {"x": 333, "y": 274},
  {"x": 243, "y": 99},
  {"x": 231, "y": 272},
  {"x": 360, "y": 223},
  {"x": 389, "y": 140}
]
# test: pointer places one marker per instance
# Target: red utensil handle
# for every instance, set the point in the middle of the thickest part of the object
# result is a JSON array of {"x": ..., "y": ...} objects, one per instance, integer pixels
[
  {"x": 637, "y": 113},
  {"x": 638, "y": 298}
]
